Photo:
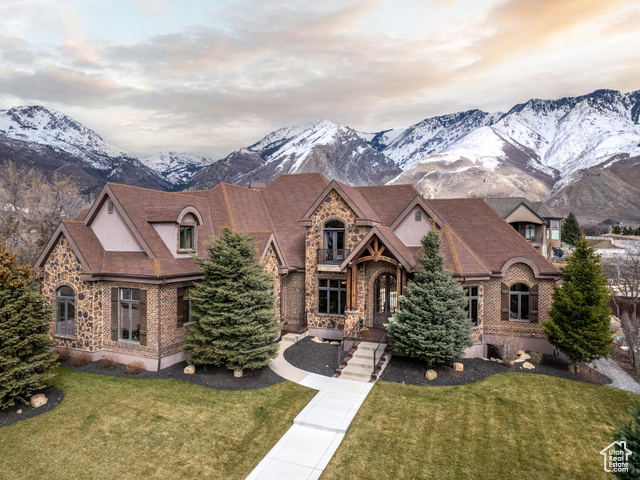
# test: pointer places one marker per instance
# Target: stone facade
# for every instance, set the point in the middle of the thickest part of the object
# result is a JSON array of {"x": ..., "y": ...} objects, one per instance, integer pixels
[
  {"x": 63, "y": 268},
  {"x": 270, "y": 263},
  {"x": 333, "y": 207}
]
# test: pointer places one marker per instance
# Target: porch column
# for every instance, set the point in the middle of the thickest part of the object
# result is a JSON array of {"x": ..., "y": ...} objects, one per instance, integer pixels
[
  {"x": 349, "y": 288},
  {"x": 399, "y": 279},
  {"x": 354, "y": 287}
]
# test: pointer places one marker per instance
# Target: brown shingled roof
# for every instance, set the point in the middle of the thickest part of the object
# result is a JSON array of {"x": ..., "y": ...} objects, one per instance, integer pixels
[{"x": 487, "y": 234}]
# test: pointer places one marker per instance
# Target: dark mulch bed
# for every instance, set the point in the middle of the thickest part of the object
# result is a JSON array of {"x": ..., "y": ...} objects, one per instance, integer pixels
[
  {"x": 11, "y": 415},
  {"x": 411, "y": 371},
  {"x": 319, "y": 358},
  {"x": 220, "y": 378}
]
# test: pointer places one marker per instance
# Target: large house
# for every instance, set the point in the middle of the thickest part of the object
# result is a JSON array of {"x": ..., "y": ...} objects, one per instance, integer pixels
[
  {"x": 535, "y": 221},
  {"x": 120, "y": 275}
]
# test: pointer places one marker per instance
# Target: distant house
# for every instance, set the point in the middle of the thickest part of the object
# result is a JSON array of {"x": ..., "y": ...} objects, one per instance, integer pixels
[
  {"x": 535, "y": 221},
  {"x": 611, "y": 224}
]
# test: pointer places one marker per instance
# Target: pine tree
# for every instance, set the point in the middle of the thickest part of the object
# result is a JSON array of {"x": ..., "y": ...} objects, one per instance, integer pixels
[
  {"x": 637, "y": 232},
  {"x": 233, "y": 307},
  {"x": 571, "y": 229},
  {"x": 630, "y": 433},
  {"x": 432, "y": 324},
  {"x": 26, "y": 361},
  {"x": 580, "y": 319}
]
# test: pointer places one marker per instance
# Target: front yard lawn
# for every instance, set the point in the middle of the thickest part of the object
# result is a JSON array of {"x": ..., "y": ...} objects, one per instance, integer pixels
[
  {"x": 121, "y": 428},
  {"x": 508, "y": 426}
]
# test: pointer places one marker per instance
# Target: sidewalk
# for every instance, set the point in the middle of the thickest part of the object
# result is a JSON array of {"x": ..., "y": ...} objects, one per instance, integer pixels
[
  {"x": 305, "y": 450},
  {"x": 620, "y": 378}
]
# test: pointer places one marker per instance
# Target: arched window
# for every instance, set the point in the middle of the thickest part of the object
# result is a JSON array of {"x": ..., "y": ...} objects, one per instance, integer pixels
[
  {"x": 519, "y": 302},
  {"x": 334, "y": 251},
  {"x": 65, "y": 311}
]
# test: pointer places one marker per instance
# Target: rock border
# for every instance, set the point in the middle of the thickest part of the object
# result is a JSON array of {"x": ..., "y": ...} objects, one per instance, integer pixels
[{"x": 10, "y": 415}]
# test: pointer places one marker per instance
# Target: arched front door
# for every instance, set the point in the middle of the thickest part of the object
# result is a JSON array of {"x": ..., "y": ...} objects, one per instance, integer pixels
[{"x": 386, "y": 297}]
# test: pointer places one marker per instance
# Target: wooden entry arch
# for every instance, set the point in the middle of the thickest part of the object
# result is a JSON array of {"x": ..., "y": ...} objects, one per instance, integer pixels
[{"x": 376, "y": 254}]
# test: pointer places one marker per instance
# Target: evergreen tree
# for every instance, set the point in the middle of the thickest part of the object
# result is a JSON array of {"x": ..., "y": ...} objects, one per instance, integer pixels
[
  {"x": 630, "y": 433},
  {"x": 637, "y": 232},
  {"x": 571, "y": 229},
  {"x": 233, "y": 307},
  {"x": 617, "y": 230},
  {"x": 26, "y": 361},
  {"x": 580, "y": 319},
  {"x": 432, "y": 324}
]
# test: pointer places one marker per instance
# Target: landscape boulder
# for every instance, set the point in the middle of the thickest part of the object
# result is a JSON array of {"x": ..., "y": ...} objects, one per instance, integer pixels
[
  {"x": 335, "y": 343},
  {"x": 316, "y": 339},
  {"x": 237, "y": 372},
  {"x": 528, "y": 366},
  {"x": 431, "y": 375},
  {"x": 458, "y": 367},
  {"x": 38, "y": 400},
  {"x": 190, "y": 369}
]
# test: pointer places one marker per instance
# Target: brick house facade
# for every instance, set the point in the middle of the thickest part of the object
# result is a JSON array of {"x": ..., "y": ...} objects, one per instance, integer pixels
[{"x": 119, "y": 276}]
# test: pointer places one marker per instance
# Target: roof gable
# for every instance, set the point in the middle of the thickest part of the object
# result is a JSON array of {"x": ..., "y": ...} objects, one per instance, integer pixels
[{"x": 353, "y": 198}]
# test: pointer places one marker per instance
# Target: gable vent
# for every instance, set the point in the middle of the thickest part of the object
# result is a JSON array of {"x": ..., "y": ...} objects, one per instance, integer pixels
[{"x": 418, "y": 215}]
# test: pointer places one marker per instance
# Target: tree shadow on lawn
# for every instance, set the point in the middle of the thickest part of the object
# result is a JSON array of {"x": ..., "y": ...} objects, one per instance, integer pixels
[{"x": 411, "y": 371}]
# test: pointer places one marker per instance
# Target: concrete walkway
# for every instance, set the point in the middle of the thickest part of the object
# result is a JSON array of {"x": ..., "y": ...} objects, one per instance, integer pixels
[
  {"x": 620, "y": 378},
  {"x": 305, "y": 450}
]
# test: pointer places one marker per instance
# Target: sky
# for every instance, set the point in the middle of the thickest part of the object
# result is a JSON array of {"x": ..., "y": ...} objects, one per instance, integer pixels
[{"x": 214, "y": 76}]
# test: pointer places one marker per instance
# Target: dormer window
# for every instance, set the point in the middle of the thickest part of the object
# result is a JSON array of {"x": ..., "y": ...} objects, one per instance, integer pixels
[{"x": 187, "y": 237}]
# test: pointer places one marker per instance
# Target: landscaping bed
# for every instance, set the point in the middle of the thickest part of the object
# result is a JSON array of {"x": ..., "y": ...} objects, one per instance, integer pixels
[
  {"x": 220, "y": 378},
  {"x": 621, "y": 357},
  {"x": 10, "y": 415},
  {"x": 411, "y": 371},
  {"x": 320, "y": 358}
]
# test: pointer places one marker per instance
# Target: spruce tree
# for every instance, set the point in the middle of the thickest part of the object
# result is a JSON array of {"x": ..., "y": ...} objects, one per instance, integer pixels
[
  {"x": 26, "y": 361},
  {"x": 233, "y": 307},
  {"x": 571, "y": 229},
  {"x": 431, "y": 324},
  {"x": 579, "y": 324},
  {"x": 630, "y": 433}
]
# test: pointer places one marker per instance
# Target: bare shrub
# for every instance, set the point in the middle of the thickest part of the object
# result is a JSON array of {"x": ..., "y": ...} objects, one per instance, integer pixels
[
  {"x": 631, "y": 326},
  {"x": 536, "y": 358},
  {"x": 134, "y": 368},
  {"x": 64, "y": 354},
  {"x": 81, "y": 359},
  {"x": 508, "y": 350},
  {"x": 109, "y": 363}
]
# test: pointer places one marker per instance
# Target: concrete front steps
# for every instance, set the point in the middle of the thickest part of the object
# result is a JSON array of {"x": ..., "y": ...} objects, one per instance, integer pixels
[
  {"x": 293, "y": 337},
  {"x": 360, "y": 365}
]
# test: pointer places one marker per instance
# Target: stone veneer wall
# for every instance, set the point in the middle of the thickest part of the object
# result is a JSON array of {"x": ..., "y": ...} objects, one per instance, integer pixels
[
  {"x": 492, "y": 323},
  {"x": 63, "y": 268},
  {"x": 270, "y": 264},
  {"x": 333, "y": 207},
  {"x": 292, "y": 298}
]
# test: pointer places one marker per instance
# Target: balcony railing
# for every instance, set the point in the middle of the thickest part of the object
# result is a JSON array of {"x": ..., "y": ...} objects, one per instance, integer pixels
[{"x": 332, "y": 256}]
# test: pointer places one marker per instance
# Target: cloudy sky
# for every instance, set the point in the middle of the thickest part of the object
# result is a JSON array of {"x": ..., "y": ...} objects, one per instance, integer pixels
[{"x": 213, "y": 76}]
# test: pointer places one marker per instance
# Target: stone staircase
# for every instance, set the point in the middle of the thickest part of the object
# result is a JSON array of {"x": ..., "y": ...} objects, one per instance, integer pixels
[{"x": 360, "y": 365}]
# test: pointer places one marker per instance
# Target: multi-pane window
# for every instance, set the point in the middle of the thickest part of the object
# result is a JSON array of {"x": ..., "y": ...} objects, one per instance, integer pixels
[
  {"x": 130, "y": 314},
  {"x": 186, "y": 305},
  {"x": 186, "y": 237},
  {"x": 332, "y": 296},
  {"x": 65, "y": 311},
  {"x": 472, "y": 305},
  {"x": 530, "y": 232},
  {"x": 519, "y": 302},
  {"x": 334, "y": 241},
  {"x": 555, "y": 229}
]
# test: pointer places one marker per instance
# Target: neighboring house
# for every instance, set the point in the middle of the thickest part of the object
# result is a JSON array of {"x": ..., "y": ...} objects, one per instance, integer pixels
[
  {"x": 120, "y": 276},
  {"x": 604, "y": 247},
  {"x": 611, "y": 224},
  {"x": 536, "y": 222}
]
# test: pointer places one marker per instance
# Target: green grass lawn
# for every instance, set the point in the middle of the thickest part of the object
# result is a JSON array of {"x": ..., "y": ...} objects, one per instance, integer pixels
[
  {"x": 505, "y": 427},
  {"x": 120, "y": 428}
]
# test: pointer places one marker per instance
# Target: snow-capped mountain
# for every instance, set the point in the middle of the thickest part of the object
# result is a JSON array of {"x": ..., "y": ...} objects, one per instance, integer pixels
[
  {"x": 177, "y": 168},
  {"x": 537, "y": 149},
  {"x": 50, "y": 141},
  {"x": 335, "y": 150}
]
